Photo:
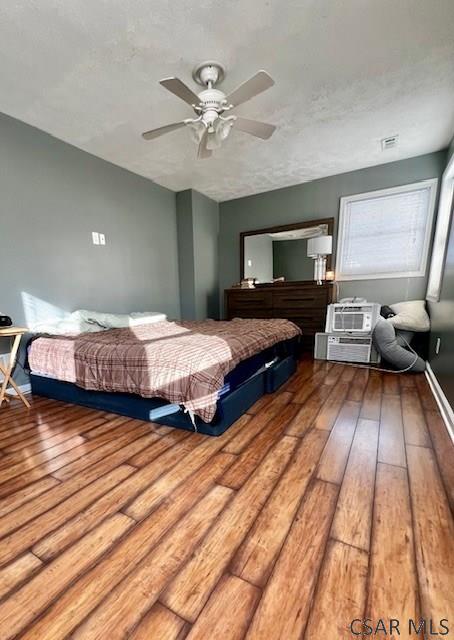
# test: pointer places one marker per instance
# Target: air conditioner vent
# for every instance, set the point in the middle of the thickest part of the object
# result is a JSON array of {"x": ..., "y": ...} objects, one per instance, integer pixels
[
  {"x": 389, "y": 143},
  {"x": 348, "y": 321}
]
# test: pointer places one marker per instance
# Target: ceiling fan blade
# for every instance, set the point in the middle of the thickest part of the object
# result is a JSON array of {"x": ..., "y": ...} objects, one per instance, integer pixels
[
  {"x": 250, "y": 88},
  {"x": 255, "y": 128},
  {"x": 160, "y": 131},
  {"x": 203, "y": 152},
  {"x": 177, "y": 87}
]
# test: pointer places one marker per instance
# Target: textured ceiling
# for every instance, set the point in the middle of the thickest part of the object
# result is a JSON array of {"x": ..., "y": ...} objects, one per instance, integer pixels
[{"x": 348, "y": 73}]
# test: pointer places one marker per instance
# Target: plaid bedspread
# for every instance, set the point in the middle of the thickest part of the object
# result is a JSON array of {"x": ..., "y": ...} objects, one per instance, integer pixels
[{"x": 182, "y": 362}]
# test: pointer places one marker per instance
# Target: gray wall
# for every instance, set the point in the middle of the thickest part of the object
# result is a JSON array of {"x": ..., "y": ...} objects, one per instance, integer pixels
[
  {"x": 258, "y": 249},
  {"x": 442, "y": 321},
  {"x": 320, "y": 199},
  {"x": 198, "y": 229},
  {"x": 186, "y": 254},
  {"x": 206, "y": 233},
  {"x": 290, "y": 260},
  {"x": 52, "y": 197}
]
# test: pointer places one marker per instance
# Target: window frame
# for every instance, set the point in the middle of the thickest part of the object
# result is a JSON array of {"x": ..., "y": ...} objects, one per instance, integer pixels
[
  {"x": 442, "y": 231},
  {"x": 431, "y": 183}
]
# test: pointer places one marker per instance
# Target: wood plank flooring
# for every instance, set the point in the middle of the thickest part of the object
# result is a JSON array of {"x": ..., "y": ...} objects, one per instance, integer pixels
[{"x": 329, "y": 501}]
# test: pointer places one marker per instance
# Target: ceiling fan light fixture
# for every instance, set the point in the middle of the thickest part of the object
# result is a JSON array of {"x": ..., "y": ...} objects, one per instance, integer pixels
[
  {"x": 213, "y": 141},
  {"x": 196, "y": 130},
  {"x": 223, "y": 129}
]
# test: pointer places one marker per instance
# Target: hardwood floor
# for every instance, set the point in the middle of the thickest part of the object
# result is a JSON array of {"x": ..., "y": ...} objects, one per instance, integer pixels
[{"x": 328, "y": 502}]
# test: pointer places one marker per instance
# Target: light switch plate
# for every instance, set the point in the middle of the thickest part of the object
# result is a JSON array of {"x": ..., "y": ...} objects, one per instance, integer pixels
[
  {"x": 95, "y": 237},
  {"x": 102, "y": 238}
]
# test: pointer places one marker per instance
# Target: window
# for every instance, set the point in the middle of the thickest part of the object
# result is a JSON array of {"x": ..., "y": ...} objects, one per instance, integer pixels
[{"x": 386, "y": 234}]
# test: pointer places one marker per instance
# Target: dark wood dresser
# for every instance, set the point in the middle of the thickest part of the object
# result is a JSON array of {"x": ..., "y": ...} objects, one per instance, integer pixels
[{"x": 304, "y": 303}]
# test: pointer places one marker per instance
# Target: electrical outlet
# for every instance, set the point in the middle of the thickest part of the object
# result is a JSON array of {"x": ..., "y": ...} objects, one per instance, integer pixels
[
  {"x": 102, "y": 238},
  {"x": 437, "y": 346},
  {"x": 95, "y": 237}
]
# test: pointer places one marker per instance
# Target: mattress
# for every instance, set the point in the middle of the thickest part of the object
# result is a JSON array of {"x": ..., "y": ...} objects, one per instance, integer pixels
[
  {"x": 186, "y": 363},
  {"x": 235, "y": 397}
]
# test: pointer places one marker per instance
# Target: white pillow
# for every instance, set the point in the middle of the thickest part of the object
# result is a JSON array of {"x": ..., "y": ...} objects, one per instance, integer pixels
[
  {"x": 66, "y": 327},
  {"x": 410, "y": 315},
  {"x": 118, "y": 320},
  {"x": 145, "y": 317}
]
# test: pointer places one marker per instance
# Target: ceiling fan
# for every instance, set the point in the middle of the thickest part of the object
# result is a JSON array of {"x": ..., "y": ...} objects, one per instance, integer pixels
[{"x": 211, "y": 126}]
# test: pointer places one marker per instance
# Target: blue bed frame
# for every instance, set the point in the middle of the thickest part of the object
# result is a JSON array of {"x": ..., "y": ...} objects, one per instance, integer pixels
[{"x": 250, "y": 380}]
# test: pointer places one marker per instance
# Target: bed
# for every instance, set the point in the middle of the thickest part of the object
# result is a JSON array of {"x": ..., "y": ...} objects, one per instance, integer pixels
[{"x": 199, "y": 375}]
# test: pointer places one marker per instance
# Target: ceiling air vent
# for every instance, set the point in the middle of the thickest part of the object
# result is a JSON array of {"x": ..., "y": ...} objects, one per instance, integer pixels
[{"x": 389, "y": 143}]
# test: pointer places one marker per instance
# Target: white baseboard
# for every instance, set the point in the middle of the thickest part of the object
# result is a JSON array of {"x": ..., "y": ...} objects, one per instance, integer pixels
[{"x": 442, "y": 401}]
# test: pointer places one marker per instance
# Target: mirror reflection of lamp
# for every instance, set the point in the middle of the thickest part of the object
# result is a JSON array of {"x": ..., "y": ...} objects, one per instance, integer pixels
[{"x": 318, "y": 248}]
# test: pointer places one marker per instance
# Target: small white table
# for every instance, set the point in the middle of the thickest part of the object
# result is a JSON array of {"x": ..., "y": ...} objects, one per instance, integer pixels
[{"x": 16, "y": 334}]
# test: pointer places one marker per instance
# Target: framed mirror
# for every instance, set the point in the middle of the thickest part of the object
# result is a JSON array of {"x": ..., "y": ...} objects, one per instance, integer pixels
[{"x": 281, "y": 252}]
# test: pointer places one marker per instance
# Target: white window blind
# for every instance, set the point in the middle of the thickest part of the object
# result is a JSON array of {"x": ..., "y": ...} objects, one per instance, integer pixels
[{"x": 386, "y": 234}]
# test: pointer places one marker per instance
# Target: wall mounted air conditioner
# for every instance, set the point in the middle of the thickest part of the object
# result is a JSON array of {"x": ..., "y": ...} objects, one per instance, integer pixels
[
  {"x": 352, "y": 317},
  {"x": 349, "y": 349},
  {"x": 345, "y": 348}
]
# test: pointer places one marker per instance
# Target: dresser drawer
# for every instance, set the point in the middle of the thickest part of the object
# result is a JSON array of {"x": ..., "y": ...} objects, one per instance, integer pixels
[
  {"x": 249, "y": 304},
  {"x": 317, "y": 316},
  {"x": 249, "y": 299},
  {"x": 250, "y": 312},
  {"x": 308, "y": 324},
  {"x": 300, "y": 299}
]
